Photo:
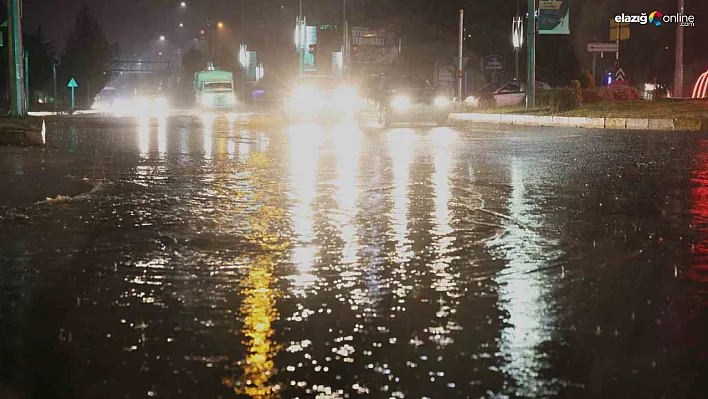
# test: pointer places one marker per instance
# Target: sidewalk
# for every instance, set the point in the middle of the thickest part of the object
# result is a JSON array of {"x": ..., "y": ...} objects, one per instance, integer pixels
[{"x": 659, "y": 124}]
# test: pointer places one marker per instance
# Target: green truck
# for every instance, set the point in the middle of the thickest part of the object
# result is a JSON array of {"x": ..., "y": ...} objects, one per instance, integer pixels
[{"x": 215, "y": 91}]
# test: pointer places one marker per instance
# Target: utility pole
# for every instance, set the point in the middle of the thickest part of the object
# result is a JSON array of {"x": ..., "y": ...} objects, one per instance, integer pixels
[
  {"x": 55, "y": 63},
  {"x": 243, "y": 41},
  {"x": 301, "y": 35},
  {"x": 460, "y": 51},
  {"x": 678, "y": 70},
  {"x": 531, "y": 72},
  {"x": 17, "y": 92},
  {"x": 344, "y": 38},
  {"x": 28, "y": 95}
]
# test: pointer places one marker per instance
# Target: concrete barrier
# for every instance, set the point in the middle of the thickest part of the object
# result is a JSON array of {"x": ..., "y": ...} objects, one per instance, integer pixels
[
  {"x": 591, "y": 123},
  {"x": 688, "y": 124},
  {"x": 679, "y": 124},
  {"x": 661, "y": 124},
  {"x": 544, "y": 120},
  {"x": 616, "y": 123},
  {"x": 27, "y": 132},
  {"x": 507, "y": 119},
  {"x": 528, "y": 120},
  {"x": 637, "y": 124}
]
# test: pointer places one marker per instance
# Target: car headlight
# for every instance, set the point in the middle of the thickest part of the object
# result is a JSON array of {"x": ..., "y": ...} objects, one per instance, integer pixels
[
  {"x": 442, "y": 101},
  {"x": 401, "y": 103},
  {"x": 471, "y": 100}
]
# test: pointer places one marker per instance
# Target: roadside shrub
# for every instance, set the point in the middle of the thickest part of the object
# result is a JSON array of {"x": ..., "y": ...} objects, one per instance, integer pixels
[
  {"x": 487, "y": 101},
  {"x": 587, "y": 81},
  {"x": 558, "y": 100},
  {"x": 609, "y": 94}
]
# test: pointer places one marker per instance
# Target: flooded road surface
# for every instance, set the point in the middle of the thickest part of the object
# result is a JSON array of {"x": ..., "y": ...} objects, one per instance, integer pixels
[{"x": 201, "y": 259}]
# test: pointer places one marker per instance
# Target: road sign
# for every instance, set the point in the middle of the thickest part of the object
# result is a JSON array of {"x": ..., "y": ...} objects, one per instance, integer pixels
[
  {"x": 493, "y": 64},
  {"x": 603, "y": 47},
  {"x": 554, "y": 17},
  {"x": 614, "y": 24},
  {"x": 73, "y": 85},
  {"x": 464, "y": 61},
  {"x": 619, "y": 75},
  {"x": 623, "y": 34}
]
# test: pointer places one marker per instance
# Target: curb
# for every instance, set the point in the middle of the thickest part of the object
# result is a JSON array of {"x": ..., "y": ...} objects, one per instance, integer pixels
[
  {"x": 656, "y": 124},
  {"x": 22, "y": 133}
]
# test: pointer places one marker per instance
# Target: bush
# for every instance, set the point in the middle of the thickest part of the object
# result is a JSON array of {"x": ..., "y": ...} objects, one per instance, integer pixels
[
  {"x": 587, "y": 81},
  {"x": 487, "y": 101},
  {"x": 558, "y": 100},
  {"x": 609, "y": 94}
]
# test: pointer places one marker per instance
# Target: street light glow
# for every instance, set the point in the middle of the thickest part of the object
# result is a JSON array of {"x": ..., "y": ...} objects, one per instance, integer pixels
[
  {"x": 162, "y": 38},
  {"x": 181, "y": 25},
  {"x": 220, "y": 25},
  {"x": 183, "y": 4}
]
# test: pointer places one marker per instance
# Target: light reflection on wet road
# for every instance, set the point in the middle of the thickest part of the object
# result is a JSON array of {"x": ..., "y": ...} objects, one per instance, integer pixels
[{"x": 198, "y": 258}]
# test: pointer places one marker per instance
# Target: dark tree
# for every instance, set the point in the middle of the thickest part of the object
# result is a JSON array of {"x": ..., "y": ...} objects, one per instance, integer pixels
[
  {"x": 88, "y": 57},
  {"x": 41, "y": 52}
]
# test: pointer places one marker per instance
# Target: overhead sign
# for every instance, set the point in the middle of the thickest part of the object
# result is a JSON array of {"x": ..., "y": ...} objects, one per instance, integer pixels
[
  {"x": 72, "y": 83},
  {"x": 373, "y": 45},
  {"x": 603, "y": 47},
  {"x": 493, "y": 64},
  {"x": 554, "y": 17}
]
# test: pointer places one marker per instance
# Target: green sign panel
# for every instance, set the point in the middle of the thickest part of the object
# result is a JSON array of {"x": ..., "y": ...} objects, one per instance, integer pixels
[{"x": 554, "y": 17}]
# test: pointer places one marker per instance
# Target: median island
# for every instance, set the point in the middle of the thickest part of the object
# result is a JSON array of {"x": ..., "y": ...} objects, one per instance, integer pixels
[{"x": 595, "y": 109}]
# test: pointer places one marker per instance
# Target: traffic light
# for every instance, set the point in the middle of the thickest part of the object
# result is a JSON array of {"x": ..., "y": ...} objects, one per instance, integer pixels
[
  {"x": 313, "y": 49},
  {"x": 159, "y": 54},
  {"x": 202, "y": 32}
]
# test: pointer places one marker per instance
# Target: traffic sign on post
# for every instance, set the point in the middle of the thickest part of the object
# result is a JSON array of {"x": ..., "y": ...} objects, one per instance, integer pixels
[
  {"x": 603, "y": 47},
  {"x": 72, "y": 85},
  {"x": 619, "y": 75}
]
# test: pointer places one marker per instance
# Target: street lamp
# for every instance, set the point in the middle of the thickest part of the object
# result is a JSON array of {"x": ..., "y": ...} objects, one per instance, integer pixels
[
  {"x": 181, "y": 25},
  {"x": 162, "y": 38},
  {"x": 220, "y": 25},
  {"x": 183, "y": 4}
]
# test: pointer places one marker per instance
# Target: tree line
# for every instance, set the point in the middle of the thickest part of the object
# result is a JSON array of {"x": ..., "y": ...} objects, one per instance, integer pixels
[{"x": 87, "y": 56}]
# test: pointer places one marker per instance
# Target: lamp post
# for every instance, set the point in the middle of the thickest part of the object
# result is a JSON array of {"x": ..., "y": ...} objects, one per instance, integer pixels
[
  {"x": 678, "y": 70},
  {"x": 531, "y": 72}
]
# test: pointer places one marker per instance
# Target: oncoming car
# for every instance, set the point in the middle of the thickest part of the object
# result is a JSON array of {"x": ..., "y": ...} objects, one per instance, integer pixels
[
  {"x": 408, "y": 98},
  {"x": 321, "y": 98}
]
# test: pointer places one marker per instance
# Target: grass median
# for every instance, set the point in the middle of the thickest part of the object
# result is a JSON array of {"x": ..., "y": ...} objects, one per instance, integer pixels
[{"x": 662, "y": 109}]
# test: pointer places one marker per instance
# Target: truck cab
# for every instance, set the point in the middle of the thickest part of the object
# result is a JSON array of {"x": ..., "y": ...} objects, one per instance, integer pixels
[{"x": 215, "y": 91}]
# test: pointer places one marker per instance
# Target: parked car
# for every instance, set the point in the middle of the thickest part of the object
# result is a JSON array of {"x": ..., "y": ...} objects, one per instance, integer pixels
[
  {"x": 502, "y": 94},
  {"x": 410, "y": 98}
]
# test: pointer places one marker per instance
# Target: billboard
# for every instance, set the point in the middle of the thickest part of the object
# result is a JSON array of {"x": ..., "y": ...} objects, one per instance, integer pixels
[
  {"x": 373, "y": 45},
  {"x": 554, "y": 17},
  {"x": 310, "y": 40}
]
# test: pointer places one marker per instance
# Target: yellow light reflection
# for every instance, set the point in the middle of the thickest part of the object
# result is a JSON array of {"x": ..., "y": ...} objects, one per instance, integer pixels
[{"x": 258, "y": 310}]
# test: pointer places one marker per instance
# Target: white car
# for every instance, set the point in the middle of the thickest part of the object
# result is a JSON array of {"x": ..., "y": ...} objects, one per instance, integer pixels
[{"x": 504, "y": 94}]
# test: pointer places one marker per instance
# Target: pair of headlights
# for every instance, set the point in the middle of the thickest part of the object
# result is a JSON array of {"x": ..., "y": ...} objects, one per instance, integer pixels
[{"x": 403, "y": 103}]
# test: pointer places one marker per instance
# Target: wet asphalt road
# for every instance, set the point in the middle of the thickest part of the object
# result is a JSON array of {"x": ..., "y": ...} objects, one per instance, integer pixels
[{"x": 207, "y": 259}]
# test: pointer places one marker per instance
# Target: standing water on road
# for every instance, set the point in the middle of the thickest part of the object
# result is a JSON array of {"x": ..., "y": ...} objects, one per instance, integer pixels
[{"x": 197, "y": 258}]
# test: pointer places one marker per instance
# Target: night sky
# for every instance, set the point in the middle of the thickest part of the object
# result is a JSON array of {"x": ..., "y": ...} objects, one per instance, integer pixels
[{"x": 136, "y": 24}]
